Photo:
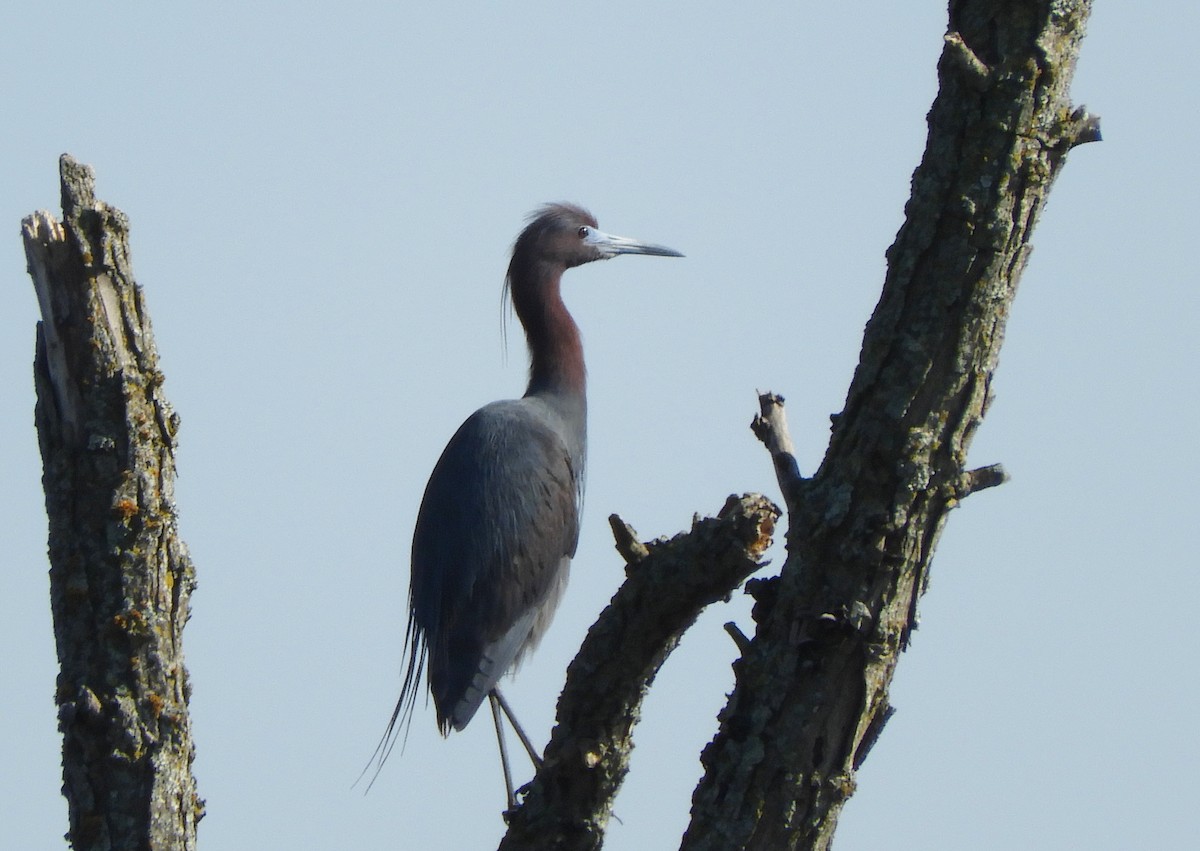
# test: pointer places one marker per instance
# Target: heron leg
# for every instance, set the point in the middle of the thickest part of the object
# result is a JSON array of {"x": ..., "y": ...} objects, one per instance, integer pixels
[
  {"x": 508, "y": 787},
  {"x": 498, "y": 698}
]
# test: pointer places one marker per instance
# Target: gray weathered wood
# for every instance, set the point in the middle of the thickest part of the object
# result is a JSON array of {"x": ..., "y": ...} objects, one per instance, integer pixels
[{"x": 120, "y": 577}]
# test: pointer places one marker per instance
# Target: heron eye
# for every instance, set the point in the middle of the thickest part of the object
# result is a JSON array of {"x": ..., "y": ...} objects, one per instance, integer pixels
[{"x": 583, "y": 232}]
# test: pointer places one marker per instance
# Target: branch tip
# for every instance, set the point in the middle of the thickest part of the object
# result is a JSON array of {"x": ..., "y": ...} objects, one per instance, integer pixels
[
  {"x": 977, "y": 72},
  {"x": 1084, "y": 127},
  {"x": 627, "y": 543},
  {"x": 770, "y": 427},
  {"x": 871, "y": 735},
  {"x": 739, "y": 637},
  {"x": 77, "y": 183},
  {"x": 981, "y": 478}
]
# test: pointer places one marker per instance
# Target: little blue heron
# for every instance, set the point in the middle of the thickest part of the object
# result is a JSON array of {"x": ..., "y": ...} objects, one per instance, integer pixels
[{"x": 499, "y": 521}]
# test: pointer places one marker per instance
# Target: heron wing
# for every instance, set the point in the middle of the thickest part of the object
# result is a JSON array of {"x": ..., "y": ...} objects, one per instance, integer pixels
[{"x": 494, "y": 536}]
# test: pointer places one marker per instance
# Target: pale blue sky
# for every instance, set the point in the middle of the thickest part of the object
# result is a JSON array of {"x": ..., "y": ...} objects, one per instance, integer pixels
[{"x": 322, "y": 204}]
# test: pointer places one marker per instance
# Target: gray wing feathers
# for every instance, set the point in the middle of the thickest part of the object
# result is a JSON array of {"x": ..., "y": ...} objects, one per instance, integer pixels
[{"x": 495, "y": 533}]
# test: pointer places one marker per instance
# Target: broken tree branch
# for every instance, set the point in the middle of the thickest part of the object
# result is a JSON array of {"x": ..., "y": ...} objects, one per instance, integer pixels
[
  {"x": 120, "y": 576},
  {"x": 569, "y": 801}
]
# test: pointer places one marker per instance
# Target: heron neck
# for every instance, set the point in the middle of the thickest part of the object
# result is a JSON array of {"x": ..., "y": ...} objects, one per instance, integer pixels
[{"x": 555, "y": 347}]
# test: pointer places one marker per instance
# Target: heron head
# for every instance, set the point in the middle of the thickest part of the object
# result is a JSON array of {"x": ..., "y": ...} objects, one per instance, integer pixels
[{"x": 568, "y": 235}]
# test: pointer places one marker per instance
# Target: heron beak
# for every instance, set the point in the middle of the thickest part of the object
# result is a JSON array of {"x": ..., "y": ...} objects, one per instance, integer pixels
[{"x": 611, "y": 246}]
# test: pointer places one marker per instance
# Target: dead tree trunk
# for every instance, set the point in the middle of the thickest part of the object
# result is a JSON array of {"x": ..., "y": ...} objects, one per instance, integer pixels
[
  {"x": 120, "y": 577},
  {"x": 812, "y": 685},
  {"x": 811, "y": 691}
]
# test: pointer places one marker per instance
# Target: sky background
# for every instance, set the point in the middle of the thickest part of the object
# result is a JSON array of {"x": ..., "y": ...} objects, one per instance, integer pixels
[{"x": 322, "y": 205}]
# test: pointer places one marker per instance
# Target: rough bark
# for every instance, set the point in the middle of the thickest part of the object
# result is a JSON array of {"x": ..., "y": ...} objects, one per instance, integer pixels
[
  {"x": 120, "y": 577},
  {"x": 569, "y": 801},
  {"x": 811, "y": 693}
]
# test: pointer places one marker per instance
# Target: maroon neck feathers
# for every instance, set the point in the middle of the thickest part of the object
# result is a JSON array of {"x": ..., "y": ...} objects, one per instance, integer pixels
[{"x": 555, "y": 348}]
